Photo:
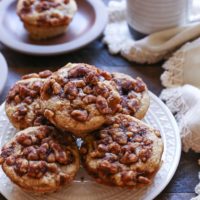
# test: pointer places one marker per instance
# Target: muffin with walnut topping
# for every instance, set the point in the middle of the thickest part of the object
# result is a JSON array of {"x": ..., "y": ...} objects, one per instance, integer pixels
[
  {"x": 23, "y": 101},
  {"x": 46, "y": 18},
  {"x": 78, "y": 98},
  {"x": 40, "y": 159},
  {"x": 134, "y": 95},
  {"x": 126, "y": 152}
]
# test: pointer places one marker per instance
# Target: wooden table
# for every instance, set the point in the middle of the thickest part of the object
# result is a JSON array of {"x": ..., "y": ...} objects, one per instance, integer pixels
[{"x": 186, "y": 177}]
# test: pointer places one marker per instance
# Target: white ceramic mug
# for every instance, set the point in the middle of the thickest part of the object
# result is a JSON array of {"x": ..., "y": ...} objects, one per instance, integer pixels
[{"x": 148, "y": 16}]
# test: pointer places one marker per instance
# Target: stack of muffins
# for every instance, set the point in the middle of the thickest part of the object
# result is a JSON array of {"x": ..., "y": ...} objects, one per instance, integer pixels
[{"x": 104, "y": 109}]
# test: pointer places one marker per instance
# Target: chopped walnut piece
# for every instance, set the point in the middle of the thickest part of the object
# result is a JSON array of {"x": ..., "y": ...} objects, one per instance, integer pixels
[
  {"x": 78, "y": 71},
  {"x": 91, "y": 78},
  {"x": 133, "y": 105},
  {"x": 144, "y": 154},
  {"x": 102, "y": 105},
  {"x": 120, "y": 138},
  {"x": 37, "y": 169},
  {"x": 144, "y": 180},
  {"x": 56, "y": 88},
  {"x": 24, "y": 140},
  {"x": 113, "y": 102},
  {"x": 51, "y": 158},
  {"x": 97, "y": 154},
  {"x": 33, "y": 155},
  {"x": 43, "y": 150},
  {"x": 70, "y": 89},
  {"x": 128, "y": 176},
  {"x": 21, "y": 166},
  {"x": 102, "y": 90},
  {"x": 10, "y": 160},
  {"x": 111, "y": 157},
  {"x": 22, "y": 110},
  {"x": 132, "y": 95},
  {"x": 45, "y": 74},
  {"x": 1, "y": 159},
  {"x": 80, "y": 83},
  {"x": 106, "y": 75},
  {"x": 6, "y": 152},
  {"x": 87, "y": 90},
  {"x": 89, "y": 99},
  {"x": 28, "y": 76},
  {"x": 41, "y": 134},
  {"x": 61, "y": 157},
  {"x": 114, "y": 148},
  {"x": 129, "y": 158},
  {"x": 52, "y": 168},
  {"x": 139, "y": 86},
  {"x": 17, "y": 99},
  {"x": 28, "y": 100},
  {"x": 80, "y": 115},
  {"x": 23, "y": 91},
  {"x": 48, "y": 113},
  {"x": 37, "y": 86},
  {"x": 102, "y": 148},
  {"x": 108, "y": 167}
]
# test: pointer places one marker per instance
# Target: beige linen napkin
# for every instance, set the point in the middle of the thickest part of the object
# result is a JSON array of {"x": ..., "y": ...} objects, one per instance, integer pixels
[
  {"x": 151, "y": 49},
  {"x": 183, "y": 100},
  {"x": 183, "y": 67}
]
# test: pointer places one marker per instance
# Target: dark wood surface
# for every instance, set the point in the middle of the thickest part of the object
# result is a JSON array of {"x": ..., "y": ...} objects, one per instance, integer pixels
[{"x": 186, "y": 177}]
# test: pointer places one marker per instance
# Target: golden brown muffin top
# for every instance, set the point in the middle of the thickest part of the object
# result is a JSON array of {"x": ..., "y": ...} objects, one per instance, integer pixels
[
  {"x": 125, "y": 152},
  {"x": 82, "y": 85},
  {"x": 22, "y": 102},
  {"x": 38, "y": 153},
  {"x": 133, "y": 93},
  {"x": 46, "y": 12}
]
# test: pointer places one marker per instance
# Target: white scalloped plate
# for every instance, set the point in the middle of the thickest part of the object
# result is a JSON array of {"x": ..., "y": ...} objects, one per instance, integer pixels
[
  {"x": 85, "y": 188},
  {"x": 4, "y": 72}
]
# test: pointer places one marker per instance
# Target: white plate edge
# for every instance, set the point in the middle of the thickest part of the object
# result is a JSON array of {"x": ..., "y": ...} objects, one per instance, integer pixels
[
  {"x": 4, "y": 72},
  {"x": 178, "y": 138}
]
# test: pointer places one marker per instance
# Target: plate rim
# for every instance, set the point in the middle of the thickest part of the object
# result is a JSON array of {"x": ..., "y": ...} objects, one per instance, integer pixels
[
  {"x": 4, "y": 72},
  {"x": 44, "y": 50},
  {"x": 178, "y": 144}
]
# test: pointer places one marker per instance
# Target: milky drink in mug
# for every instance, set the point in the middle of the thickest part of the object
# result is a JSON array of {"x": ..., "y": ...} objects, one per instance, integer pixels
[{"x": 148, "y": 16}]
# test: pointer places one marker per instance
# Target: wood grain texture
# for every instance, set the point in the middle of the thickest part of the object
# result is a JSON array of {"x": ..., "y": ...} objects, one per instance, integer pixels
[{"x": 185, "y": 179}]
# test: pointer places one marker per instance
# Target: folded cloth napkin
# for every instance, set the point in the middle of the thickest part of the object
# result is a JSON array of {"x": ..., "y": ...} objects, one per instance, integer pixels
[
  {"x": 184, "y": 102},
  {"x": 182, "y": 96},
  {"x": 183, "y": 67},
  {"x": 152, "y": 48}
]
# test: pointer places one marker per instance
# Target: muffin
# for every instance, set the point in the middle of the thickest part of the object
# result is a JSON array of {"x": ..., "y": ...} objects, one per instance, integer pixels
[
  {"x": 46, "y": 18},
  {"x": 125, "y": 152},
  {"x": 23, "y": 101},
  {"x": 40, "y": 159},
  {"x": 134, "y": 95},
  {"x": 78, "y": 98}
]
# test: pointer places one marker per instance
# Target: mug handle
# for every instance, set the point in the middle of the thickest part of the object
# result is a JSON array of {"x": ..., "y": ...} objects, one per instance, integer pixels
[{"x": 193, "y": 11}]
